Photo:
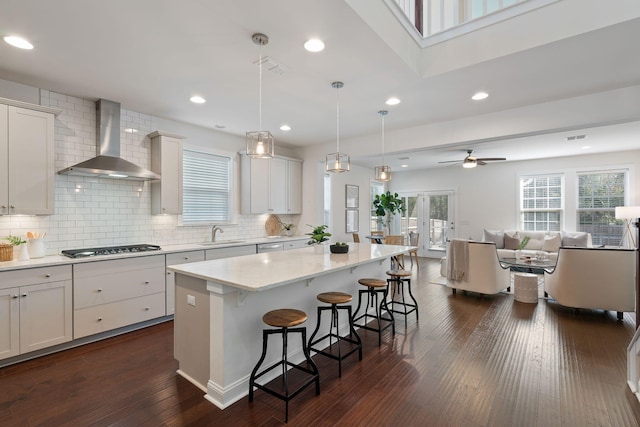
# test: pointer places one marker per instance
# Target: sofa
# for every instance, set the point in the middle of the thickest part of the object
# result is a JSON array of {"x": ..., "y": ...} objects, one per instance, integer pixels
[
  {"x": 594, "y": 278},
  {"x": 546, "y": 242}
]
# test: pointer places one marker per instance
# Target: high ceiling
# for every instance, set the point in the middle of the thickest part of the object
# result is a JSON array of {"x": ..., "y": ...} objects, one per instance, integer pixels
[{"x": 153, "y": 55}]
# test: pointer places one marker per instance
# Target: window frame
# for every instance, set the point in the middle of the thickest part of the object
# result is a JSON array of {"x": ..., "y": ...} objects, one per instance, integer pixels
[
  {"x": 522, "y": 211},
  {"x": 232, "y": 180}
]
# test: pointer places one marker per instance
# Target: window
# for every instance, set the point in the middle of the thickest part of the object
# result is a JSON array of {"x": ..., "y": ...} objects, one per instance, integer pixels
[
  {"x": 206, "y": 194},
  {"x": 375, "y": 223},
  {"x": 541, "y": 202},
  {"x": 598, "y": 195}
]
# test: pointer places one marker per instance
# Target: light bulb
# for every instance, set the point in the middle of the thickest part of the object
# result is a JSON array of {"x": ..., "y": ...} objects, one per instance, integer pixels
[
  {"x": 383, "y": 175},
  {"x": 260, "y": 147},
  {"x": 338, "y": 166}
]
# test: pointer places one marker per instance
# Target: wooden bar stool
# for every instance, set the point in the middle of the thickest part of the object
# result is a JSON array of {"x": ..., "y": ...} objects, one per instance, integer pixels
[
  {"x": 284, "y": 320},
  {"x": 375, "y": 287},
  {"x": 335, "y": 298},
  {"x": 398, "y": 278}
]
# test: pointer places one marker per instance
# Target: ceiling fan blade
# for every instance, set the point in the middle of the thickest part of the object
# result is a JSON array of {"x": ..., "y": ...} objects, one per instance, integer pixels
[
  {"x": 491, "y": 159},
  {"x": 452, "y": 161},
  {"x": 480, "y": 162}
]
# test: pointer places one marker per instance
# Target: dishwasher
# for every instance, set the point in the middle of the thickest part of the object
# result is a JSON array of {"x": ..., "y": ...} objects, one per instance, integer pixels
[{"x": 270, "y": 247}]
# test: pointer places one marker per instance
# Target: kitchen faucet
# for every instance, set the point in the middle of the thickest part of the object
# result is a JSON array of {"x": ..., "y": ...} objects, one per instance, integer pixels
[{"x": 214, "y": 229}]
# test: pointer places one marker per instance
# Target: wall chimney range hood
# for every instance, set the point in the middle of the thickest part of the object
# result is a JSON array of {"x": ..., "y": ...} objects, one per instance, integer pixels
[{"x": 108, "y": 163}]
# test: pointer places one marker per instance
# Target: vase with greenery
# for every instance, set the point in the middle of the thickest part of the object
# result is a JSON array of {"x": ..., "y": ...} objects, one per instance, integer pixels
[
  {"x": 318, "y": 235},
  {"x": 20, "y": 252},
  {"x": 287, "y": 228},
  {"x": 15, "y": 240},
  {"x": 386, "y": 206}
]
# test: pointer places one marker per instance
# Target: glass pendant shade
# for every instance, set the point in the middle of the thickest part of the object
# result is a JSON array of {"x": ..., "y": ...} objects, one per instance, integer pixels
[
  {"x": 383, "y": 173},
  {"x": 337, "y": 162},
  {"x": 259, "y": 143}
]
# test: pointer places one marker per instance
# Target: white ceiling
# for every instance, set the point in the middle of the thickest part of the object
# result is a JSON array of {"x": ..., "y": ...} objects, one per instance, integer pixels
[{"x": 152, "y": 55}]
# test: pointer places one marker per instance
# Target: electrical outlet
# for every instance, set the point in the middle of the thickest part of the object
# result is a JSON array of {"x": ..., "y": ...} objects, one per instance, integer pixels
[{"x": 191, "y": 300}]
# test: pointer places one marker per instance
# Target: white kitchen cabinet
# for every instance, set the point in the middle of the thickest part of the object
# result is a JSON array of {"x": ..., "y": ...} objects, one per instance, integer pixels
[
  {"x": 271, "y": 186},
  {"x": 115, "y": 293},
  {"x": 35, "y": 309},
  {"x": 176, "y": 259},
  {"x": 296, "y": 244},
  {"x": 166, "y": 160},
  {"x": 230, "y": 251},
  {"x": 27, "y": 168}
]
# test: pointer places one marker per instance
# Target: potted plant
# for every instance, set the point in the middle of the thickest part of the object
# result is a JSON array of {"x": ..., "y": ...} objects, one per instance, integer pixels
[
  {"x": 318, "y": 235},
  {"x": 287, "y": 228},
  {"x": 386, "y": 206},
  {"x": 17, "y": 243}
]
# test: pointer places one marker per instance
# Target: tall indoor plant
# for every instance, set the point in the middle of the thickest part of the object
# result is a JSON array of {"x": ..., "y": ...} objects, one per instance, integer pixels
[{"x": 387, "y": 205}]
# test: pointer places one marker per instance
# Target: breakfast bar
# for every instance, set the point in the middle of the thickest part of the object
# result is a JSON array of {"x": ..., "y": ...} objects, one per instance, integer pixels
[{"x": 220, "y": 303}]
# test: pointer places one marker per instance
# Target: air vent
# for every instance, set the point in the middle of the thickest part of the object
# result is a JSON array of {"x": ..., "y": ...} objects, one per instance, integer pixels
[
  {"x": 270, "y": 64},
  {"x": 575, "y": 137},
  {"x": 404, "y": 158}
]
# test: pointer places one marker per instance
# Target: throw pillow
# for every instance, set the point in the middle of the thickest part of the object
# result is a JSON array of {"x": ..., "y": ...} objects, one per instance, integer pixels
[
  {"x": 496, "y": 237},
  {"x": 575, "y": 239},
  {"x": 534, "y": 244},
  {"x": 511, "y": 242},
  {"x": 552, "y": 243}
]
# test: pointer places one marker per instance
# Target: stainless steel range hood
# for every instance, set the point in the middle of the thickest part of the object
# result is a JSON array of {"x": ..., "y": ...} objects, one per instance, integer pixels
[{"x": 108, "y": 163}]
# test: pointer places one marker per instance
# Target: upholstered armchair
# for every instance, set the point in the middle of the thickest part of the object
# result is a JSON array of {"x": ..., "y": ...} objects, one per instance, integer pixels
[
  {"x": 594, "y": 278},
  {"x": 484, "y": 274}
]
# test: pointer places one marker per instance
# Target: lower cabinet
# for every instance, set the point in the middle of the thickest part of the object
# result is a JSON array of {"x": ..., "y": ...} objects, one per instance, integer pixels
[
  {"x": 116, "y": 293},
  {"x": 230, "y": 251},
  {"x": 296, "y": 244},
  {"x": 176, "y": 259},
  {"x": 35, "y": 309}
]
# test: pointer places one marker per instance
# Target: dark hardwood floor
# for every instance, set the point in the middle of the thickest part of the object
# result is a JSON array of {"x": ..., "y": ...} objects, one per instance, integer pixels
[{"x": 469, "y": 361}]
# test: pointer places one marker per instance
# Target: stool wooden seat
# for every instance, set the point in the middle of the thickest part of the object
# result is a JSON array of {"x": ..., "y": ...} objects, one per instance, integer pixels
[
  {"x": 375, "y": 287},
  {"x": 284, "y": 321},
  {"x": 336, "y": 352},
  {"x": 397, "y": 279},
  {"x": 284, "y": 318},
  {"x": 334, "y": 297}
]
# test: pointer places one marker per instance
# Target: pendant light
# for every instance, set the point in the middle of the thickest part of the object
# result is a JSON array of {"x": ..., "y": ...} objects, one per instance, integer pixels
[
  {"x": 260, "y": 142},
  {"x": 337, "y": 162},
  {"x": 383, "y": 173}
]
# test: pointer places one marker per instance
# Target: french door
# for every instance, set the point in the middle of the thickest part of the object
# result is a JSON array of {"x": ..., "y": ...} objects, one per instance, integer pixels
[{"x": 432, "y": 214}]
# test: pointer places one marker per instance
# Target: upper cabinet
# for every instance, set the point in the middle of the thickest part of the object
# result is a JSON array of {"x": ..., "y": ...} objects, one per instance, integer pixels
[
  {"x": 27, "y": 174},
  {"x": 166, "y": 160},
  {"x": 271, "y": 186}
]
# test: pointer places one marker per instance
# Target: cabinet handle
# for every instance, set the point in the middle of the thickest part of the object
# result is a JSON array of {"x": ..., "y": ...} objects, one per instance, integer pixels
[
  {"x": 23, "y": 295},
  {"x": 99, "y": 289},
  {"x": 14, "y": 296},
  {"x": 99, "y": 319},
  {"x": 146, "y": 309},
  {"x": 186, "y": 257},
  {"x": 146, "y": 282},
  {"x": 12, "y": 207},
  {"x": 168, "y": 273},
  {"x": 47, "y": 275}
]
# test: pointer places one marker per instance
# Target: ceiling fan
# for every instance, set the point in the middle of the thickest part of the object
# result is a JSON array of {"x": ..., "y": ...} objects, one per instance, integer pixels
[{"x": 472, "y": 162}]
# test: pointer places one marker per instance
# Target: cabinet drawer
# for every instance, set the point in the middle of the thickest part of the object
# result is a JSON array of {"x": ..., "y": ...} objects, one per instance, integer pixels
[
  {"x": 185, "y": 257},
  {"x": 99, "y": 268},
  {"x": 30, "y": 276},
  {"x": 295, "y": 244},
  {"x": 117, "y": 286},
  {"x": 102, "y": 318}
]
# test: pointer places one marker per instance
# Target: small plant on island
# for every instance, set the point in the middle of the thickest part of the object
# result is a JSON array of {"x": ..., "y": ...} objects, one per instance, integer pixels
[{"x": 318, "y": 235}]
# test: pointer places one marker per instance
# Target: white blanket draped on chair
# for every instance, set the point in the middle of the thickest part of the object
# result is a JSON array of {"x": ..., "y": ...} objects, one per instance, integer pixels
[{"x": 458, "y": 260}]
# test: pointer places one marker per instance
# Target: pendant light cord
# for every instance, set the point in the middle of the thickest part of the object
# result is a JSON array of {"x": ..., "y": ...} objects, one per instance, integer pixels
[
  {"x": 337, "y": 120},
  {"x": 260, "y": 91},
  {"x": 383, "y": 139}
]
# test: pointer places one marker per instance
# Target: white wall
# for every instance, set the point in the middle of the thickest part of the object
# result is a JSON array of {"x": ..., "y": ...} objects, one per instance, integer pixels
[{"x": 487, "y": 196}]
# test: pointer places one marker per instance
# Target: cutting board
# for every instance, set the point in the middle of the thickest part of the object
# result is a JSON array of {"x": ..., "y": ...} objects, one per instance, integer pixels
[{"x": 273, "y": 225}]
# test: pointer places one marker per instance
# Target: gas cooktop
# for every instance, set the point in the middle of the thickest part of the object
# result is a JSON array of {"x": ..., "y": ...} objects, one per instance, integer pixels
[{"x": 109, "y": 250}]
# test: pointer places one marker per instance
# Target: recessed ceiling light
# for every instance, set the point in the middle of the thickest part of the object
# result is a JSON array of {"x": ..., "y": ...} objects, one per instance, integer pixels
[
  {"x": 18, "y": 42},
  {"x": 392, "y": 101},
  {"x": 197, "y": 99},
  {"x": 314, "y": 45},
  {"x": 285, "y": 128},
  {"x": 404, "y": 166},
  {"x": 480, "y": 96},
  {"x": 585, "y": 147}
]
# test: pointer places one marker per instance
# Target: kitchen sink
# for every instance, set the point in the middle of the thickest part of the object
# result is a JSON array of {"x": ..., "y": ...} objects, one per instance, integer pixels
[{"x": 221, "y": 242}]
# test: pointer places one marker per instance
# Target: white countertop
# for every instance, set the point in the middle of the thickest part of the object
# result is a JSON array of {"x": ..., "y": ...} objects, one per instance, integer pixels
[
  {"x": 50, "y": 260},
  {"x": 264, "y": 271}
]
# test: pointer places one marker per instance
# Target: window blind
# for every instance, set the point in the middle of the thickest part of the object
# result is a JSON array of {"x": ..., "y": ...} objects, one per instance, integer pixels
[{"x": 205, "y": 187}]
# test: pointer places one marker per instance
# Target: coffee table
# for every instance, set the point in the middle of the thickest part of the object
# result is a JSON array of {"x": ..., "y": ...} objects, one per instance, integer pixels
[{"x": 525, "y": 267}]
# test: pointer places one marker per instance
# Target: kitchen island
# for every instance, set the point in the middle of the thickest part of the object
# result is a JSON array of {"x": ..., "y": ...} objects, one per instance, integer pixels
[{"x": 220, "y": 303}]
